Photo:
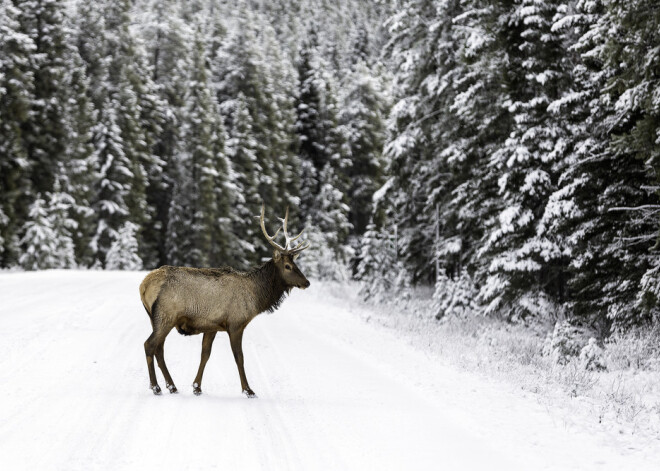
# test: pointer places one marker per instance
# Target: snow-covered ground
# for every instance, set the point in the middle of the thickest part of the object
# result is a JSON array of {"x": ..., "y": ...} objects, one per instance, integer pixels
[{"x": 335, "y": 392}]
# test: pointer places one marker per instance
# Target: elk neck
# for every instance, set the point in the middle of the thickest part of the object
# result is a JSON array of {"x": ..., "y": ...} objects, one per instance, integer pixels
[{"x": 271, "y": 288}]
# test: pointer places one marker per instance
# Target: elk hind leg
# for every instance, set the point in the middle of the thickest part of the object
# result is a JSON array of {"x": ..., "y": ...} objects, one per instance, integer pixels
[
  {"x": 150, "y": 349},
  {"x": 160, "y": 357}
]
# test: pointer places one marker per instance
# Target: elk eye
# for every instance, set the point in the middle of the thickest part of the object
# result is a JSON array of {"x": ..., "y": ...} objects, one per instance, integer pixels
[{"x": 288, "y": 267}]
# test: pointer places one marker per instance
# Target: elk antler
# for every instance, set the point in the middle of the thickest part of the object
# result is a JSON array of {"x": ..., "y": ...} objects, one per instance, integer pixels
[
  {"x": 287, "y": 249},
  {"x": 288, "y": 239},
  {"x": 263, "y": 228}
]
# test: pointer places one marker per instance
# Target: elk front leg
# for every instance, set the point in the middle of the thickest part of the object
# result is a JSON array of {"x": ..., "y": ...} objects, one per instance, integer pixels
[
  {"x": 236, "y": 341},
  {"x": 207, "y": 343}
]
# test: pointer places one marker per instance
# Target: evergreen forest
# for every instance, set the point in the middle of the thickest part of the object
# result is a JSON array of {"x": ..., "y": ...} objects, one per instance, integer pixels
[{"x": 504, "y": 152}]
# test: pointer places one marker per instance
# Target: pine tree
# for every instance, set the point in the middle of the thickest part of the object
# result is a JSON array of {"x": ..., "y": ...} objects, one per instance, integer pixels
[
  {"x": 248, "y": 64},
  {"x": 123, "y": 252},
  {"x": 39, "y": 239},
  {"x": 16, "y": 98},
  {"x": 200, "y": 239},
  {"x": 427, "y": 153},
  {"x": 312, "y": 125},
  {"x": 75, "y": 171},
  {"x": 47, "y": 235},
  {"x": 45, "y": 130},
  {"x": 114, "y": 180},
  {"x": 608, "y": 248},
  {"x": 61, "y": 207},
  {"x": 129, "y": 122},
  {"x": 631, "y": 52},
  {"x": 242, "y": 152},
  {"x": 168, "y": 41},
  {"x": 322, "y": 148},
  {"x": 362, "y": 118},
  {"x": 285, "y": 163},
  {"x": 381, "y": 268},
  {"x": 528, "y": 270},
  {"x": 57, "y": 135}
]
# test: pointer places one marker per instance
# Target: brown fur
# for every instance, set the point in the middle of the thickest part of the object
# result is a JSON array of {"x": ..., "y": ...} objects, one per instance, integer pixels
[{"x": 209, "y": 300}]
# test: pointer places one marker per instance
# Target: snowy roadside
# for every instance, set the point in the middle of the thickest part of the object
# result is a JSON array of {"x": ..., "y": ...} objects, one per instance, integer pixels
[{"x": 620, "y": 406}]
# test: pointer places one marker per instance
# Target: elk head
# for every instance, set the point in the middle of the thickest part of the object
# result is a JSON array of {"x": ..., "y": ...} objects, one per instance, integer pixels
[{"x": 284, "y": 257}]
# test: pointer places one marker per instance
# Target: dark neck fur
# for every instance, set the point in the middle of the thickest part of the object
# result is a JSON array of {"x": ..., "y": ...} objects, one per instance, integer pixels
[{"x": 271, "y": 286}]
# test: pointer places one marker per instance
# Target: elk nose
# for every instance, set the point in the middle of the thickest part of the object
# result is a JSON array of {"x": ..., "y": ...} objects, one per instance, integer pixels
[{"x": 306, "y": 284}]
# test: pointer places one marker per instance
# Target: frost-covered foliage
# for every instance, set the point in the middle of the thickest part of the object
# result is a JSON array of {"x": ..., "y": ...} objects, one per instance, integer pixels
[
  {"x": 565, "y": 343},
  {"x": 123, "y": 253},
  {"x": 384, "y": 276},
  {"x": 47, "y": 238},
  {"x": 638, "y": 349},
  {"x": 454, "y": 297},
  {"x": 592, "y": 356},
  {"x": 322, "y": 261},
  {"x": 362, "y": 118}
]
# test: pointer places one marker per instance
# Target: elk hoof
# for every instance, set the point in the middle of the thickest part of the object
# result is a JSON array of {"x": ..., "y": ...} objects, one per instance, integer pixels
[
  {"x": 197, "y": 389},
  {"x": 249, "y": 393},
  {"x": 156, "y": 389},
  {"x": 172, "y": 388}
]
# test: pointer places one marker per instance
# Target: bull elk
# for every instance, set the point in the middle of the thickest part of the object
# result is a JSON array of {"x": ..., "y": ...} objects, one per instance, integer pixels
[{"x": 211, "y": 300}]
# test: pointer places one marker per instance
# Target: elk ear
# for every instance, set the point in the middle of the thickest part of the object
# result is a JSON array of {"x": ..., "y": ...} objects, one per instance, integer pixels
[{"x": 277, "y": 255}]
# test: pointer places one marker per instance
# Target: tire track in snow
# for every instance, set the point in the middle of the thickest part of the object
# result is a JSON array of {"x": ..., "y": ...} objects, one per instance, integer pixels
[
  {"x": 285, "y": 449},
  {"x": 280, "y": 384}
]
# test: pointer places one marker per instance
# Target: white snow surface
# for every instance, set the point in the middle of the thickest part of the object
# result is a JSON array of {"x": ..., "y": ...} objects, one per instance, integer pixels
[{"x": 335, "y": 392}]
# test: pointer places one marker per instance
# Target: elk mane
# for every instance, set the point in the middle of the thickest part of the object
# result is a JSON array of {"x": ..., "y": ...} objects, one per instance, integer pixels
[{"x": 272, "y": 287}]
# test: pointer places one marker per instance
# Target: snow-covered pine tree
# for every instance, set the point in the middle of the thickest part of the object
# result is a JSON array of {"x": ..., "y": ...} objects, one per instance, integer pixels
[
  {"x": 16, "y": 98},
  {"x": 477, "y": 121},
  {"x": 328, "y": 230},
  {"x": 58, "y": 134},
  {"x": 121, "y": 80},
  {"x": 322, "y": 150},
  {"x": 46, "y": 239},
  {"x": 140, "y": 120},
  {"x": 527, "y": 270},
  {"x": 113, "y": 187},
  {"x": 312, "y": 125},
  {"x": 632, "y": 52},
  {"x": 242, "y": 152},
  {"x": 45, "y": 130},
  {"x": 363, "y": 121},
  {"x": 281, "y": 85},
  {"x": 123, "y": 252},
  {"x": 426, "y": 155},
  {"x": 76, "y": 168},
  {"x": 168, "y": 41},
  {"x": 607, "y": 262},
  {"x": 243, "y": 66},
  {"x": 376, "y": 257},
  {"x": 382, "y": 271},
  {"x": 38, "y": 240},
  {"x": 198, "y": 238},
  {"x": 61, "y": 209}
]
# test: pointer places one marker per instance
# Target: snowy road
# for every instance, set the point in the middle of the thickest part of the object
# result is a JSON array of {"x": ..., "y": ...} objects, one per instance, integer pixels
[{"x": 334, "y": 393}]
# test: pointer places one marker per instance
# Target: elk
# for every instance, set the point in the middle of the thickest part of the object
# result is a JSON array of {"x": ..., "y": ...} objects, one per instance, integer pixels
[{"x": 211, "y": 300}]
